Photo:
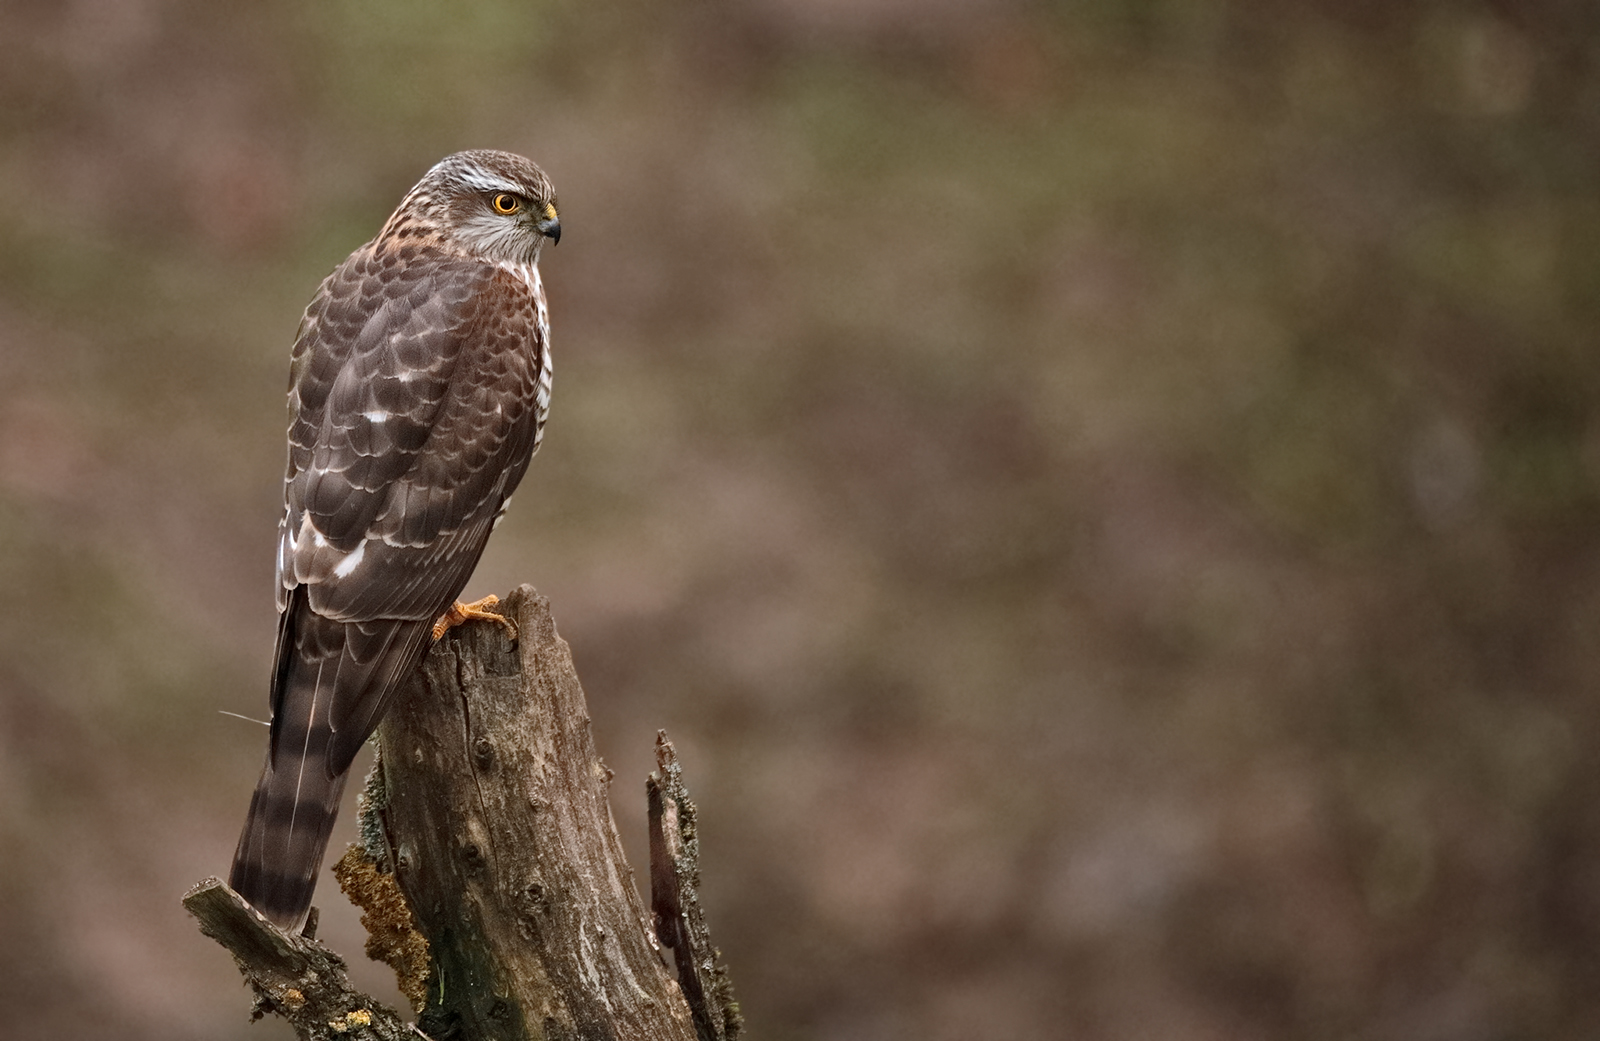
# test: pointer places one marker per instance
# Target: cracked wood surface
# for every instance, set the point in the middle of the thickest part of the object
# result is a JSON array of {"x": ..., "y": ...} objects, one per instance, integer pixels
[
  {"x": 675, "y": 900},
  {"x": 496, "y": 819},
  {"x": 292, "y": 975}
]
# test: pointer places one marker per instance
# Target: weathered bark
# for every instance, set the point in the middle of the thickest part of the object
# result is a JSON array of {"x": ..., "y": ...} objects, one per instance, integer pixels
[
  {"x": 675, "y": 900},
  {"x": 490, "y": 872},
  {"x": 495, "y": 817},
  {"x": 294, "y": 976}
]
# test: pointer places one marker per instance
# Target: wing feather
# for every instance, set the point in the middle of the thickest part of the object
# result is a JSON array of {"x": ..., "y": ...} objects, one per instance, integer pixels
[{"x": 408, "y": 437}]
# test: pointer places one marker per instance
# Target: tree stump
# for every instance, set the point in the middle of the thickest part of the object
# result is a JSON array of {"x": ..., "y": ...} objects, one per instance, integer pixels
[{"x": 490, "y": 868}]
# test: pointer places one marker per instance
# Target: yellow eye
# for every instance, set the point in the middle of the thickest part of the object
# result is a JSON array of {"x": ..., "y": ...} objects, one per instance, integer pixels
[{"x": 505, "y": 202}]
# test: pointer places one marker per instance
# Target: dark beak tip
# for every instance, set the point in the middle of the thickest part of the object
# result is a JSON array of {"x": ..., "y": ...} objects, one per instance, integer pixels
[{"x": 554, "y": 234}]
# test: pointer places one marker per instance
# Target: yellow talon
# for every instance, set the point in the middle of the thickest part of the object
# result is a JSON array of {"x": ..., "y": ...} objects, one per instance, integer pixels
[{"x": 460, "y": 612}]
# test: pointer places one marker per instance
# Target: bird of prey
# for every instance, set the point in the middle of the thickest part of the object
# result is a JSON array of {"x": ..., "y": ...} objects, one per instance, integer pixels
[{"x": 418, "y": 389}]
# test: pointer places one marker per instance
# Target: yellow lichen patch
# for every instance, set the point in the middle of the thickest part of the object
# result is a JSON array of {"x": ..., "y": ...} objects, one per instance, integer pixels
[
  {"x": 350, "y": 1020},
  {"x": 392, "y": 935}
]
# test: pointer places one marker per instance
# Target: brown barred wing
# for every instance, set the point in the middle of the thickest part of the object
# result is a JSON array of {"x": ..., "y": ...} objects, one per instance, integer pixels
[{"x": 395, "y": 483}]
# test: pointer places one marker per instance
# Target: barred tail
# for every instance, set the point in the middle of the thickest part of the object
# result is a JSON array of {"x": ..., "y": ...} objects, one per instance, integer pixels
[
  {"x": 284, "y": 839},
  {"x": 333, "y": 682}
]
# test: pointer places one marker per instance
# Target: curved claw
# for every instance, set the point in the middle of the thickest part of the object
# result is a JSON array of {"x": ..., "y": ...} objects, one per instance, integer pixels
[{"x": 460, "y": 612}]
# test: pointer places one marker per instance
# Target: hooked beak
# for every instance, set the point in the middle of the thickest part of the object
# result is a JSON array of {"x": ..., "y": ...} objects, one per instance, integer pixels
[{"x": 550, "y": 226}]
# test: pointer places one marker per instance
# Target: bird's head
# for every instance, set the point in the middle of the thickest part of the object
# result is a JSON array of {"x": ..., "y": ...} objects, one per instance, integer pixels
[{"x": 493, "y": 205}]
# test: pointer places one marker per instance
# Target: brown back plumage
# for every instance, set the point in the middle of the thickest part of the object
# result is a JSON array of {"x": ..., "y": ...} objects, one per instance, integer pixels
[{"x": 419, "y": 385}]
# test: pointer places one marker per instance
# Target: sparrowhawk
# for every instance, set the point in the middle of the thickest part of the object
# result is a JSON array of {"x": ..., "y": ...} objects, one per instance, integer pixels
[{"x": 418, "y": 389}]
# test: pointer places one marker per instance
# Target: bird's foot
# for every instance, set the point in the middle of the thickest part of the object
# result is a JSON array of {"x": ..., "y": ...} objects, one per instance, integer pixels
[{"x": 460, "y": 612}]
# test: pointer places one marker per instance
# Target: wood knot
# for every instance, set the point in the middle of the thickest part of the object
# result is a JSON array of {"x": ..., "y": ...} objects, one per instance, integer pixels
[
  {"x": 483, "y": 753},
  {"x": 536, "y": 902}
]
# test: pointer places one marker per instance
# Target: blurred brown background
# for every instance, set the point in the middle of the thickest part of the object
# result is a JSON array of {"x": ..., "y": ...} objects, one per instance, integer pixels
[{"x": 1104, "y": 494}]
